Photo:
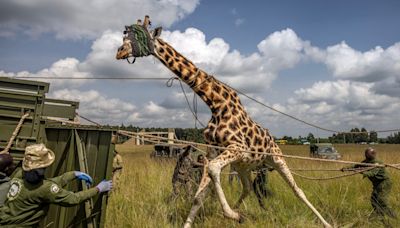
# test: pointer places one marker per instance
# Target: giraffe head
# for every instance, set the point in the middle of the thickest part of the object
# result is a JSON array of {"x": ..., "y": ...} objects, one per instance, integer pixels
[{"x": 138, "y": 40}]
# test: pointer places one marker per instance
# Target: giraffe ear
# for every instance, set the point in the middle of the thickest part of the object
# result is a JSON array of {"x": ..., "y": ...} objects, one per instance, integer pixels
[{"x": 156, "y": 32}]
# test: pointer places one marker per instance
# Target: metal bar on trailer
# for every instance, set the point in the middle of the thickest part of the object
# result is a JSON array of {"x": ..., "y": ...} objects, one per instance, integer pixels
[{"x": 83, "y": 168}]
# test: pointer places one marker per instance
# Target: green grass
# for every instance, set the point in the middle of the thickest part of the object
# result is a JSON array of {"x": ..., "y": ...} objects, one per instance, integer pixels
[{"x": 142, "y": 197}]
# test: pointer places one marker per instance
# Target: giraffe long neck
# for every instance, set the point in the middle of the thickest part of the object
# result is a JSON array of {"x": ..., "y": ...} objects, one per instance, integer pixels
[{"x": 212, "y": 92}]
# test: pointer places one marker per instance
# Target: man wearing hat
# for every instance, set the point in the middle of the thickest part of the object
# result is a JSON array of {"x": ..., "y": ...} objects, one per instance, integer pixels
[
  {"x": 30, "y": 194},
  {"x": 381, "y": 184}
]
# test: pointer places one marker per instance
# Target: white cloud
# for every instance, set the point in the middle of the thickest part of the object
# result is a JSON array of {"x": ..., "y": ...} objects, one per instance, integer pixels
[
  {"x": 97, "y": 106},
  {"x": 278, "y": 51},
  {"x": 366, "y": 93},
  {"x": 68, "y": 67},
  {"x": 343, "y": 104},
  {"x": 86, "y": 19},
  {"x": 241, "y": 71},
  {"x": 370, "y": 66},
  {"x": 153, "y": 114}
]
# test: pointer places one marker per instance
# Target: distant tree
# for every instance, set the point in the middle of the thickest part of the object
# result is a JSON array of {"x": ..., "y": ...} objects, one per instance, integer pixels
[
  {"x": 373, "y": 136},
  {"x": 361, "y": 136},
  {"x": 311, "y": 138},
  {"x": 394, "y": 138}
]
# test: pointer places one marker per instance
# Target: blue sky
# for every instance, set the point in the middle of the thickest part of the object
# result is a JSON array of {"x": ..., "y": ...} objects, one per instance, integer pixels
[
  {"x": 364, "y": 24},
  {"x": 315, "y": 59}
]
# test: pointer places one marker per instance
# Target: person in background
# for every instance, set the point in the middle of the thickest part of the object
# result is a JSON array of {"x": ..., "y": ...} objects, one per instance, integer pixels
[
  {"x": 117, "y": 169},
  {"x": 260, "y": 184},
  {"x": 30, "y": 193},
  {"x": 182, "y": 173},
  {"x": 198, "y": 168},
  {"x": 6, "y": 169},
  {"x": 381, "y": 184}
]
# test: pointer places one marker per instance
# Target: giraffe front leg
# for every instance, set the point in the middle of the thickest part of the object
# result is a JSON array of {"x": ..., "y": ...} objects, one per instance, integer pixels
[
  {"x": 245, "y": 178},
  {"x": 215, "y": 168},
  {"x": 284, "y": 171}
]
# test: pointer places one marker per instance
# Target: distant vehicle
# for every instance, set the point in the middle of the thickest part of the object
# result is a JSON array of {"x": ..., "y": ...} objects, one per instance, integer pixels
[
  {"x": 363, "y": 143},
  {"x": 281, "y": 141},
  {"x": 325, "y": 151},
  {"x": 167, "y": 151},
  {"x": 306, "y": 143}
]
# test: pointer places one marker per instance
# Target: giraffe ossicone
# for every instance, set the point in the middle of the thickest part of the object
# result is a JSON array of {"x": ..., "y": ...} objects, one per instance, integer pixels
[{"x": 230, "y": 126}]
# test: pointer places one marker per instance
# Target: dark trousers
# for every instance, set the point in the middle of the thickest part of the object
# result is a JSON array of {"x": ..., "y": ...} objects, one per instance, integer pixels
[{"x": 379, "y": 198}]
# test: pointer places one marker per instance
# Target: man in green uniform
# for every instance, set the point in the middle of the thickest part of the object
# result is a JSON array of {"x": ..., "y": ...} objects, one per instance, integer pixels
[
  {"x": 260, "y": 184},
  {"x": 117, "y": 169},
  {"x": 198, "y": 169},
  {"x": 30, "y": 194},
  {"x": 381, "y": 183},
  {"x": 182, "y": 173},
  {"x": 6, "y": 168}
]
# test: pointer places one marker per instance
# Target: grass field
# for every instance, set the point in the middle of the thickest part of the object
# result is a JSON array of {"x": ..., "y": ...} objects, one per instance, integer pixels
[{"x": 142, "y": 197}]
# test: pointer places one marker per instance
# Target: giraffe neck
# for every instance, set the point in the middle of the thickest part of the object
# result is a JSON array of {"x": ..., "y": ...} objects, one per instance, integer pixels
[{"x": 211, "y": 91}]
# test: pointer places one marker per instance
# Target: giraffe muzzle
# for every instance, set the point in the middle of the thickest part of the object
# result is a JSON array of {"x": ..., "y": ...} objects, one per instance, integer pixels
[{"x": 122, "y": 55}]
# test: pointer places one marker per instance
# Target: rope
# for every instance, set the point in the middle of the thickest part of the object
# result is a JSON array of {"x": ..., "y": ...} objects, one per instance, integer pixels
[
  {"x": 193, "y": 110},
  {"x": 14, "y": 134},
  {"x": 169, "y": 84},
  {"x": 90, "y": 78},
  {"x": 316, "y": 170},
  {"x": 89, "y": 120},
  {"x": 62, "y": 120},
  {"x": 395, "y": 166},
  {"x": 356, "y": 171},
  {"x": 333, "y": 177}
]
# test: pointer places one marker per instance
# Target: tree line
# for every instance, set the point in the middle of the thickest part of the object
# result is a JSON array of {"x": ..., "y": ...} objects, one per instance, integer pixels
[
  {"x": 355, "y": 135},
  {"x": 188, "y": 134}
]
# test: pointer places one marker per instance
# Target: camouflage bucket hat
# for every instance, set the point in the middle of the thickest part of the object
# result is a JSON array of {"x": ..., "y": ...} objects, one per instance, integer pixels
[{"x": 37, "y": 156}]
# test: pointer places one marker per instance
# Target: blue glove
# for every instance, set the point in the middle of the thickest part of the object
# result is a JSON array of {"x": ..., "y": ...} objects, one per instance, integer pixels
[
  {"x": 104, "y": 186},
  {"x": 83, "y": 176}
]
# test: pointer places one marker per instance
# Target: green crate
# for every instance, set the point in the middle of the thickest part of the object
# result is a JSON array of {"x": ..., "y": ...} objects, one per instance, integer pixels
[{"x": 77, "y": 147}]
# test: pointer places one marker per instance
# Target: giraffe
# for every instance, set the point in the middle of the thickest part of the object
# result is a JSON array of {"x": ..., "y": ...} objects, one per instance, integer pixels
[{"x": 230, "y": 125}]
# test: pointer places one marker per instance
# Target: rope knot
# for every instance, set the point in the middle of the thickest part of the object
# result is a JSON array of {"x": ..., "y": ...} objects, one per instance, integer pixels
[{"x": 171, "y": 80}]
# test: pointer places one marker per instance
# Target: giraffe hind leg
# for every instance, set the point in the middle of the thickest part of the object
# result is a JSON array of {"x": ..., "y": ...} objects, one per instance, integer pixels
[{"x": 284, "y": 171}]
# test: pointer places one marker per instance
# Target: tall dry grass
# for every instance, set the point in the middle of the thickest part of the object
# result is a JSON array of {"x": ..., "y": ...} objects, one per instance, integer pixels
[{"x": 142, "y": 199}]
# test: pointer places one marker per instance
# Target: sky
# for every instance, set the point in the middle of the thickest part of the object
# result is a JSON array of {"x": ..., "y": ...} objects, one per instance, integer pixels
[{"x": 332, "y": 63}]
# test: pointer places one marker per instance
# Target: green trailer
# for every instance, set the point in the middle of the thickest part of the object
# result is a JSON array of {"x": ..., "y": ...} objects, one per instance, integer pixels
[{"x": 77, "y": 147}]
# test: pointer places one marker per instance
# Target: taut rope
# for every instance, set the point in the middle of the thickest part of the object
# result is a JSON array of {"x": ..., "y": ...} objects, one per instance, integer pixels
[
  {"x": 333, "y": 177},
  {"x": 395, "y": 166},
  {"x": 14, "y": 134}
]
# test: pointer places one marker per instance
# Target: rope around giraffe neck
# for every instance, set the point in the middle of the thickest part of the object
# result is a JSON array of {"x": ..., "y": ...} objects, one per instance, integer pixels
[{"x": 193, "y": 109}]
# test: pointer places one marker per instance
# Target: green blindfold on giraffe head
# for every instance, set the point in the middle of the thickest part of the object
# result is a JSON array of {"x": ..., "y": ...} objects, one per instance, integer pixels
[{"x": 138, "y": 41}]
